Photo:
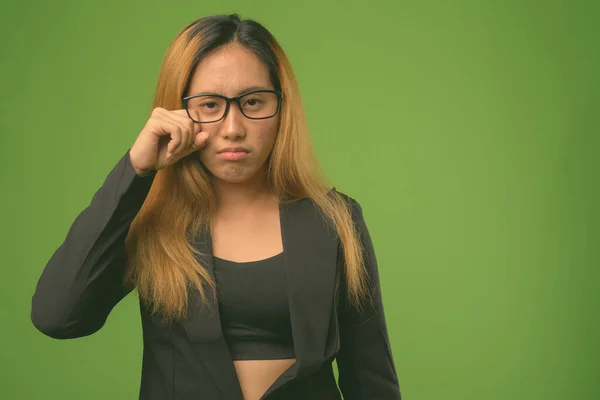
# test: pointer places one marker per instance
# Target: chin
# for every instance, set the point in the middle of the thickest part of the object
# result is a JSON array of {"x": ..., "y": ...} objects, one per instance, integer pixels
[{"x": 234, "y": 173}]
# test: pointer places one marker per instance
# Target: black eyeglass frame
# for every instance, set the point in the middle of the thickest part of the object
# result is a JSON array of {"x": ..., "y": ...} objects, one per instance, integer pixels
[{"x": 184, "y": 101}]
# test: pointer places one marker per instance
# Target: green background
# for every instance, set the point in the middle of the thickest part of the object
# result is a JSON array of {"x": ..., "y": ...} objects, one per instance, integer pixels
[{"x": 468, "y": 130}]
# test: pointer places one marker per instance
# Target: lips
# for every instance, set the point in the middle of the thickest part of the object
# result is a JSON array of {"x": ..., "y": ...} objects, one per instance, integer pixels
[
  {"x": 233, "y": 150},
  {"x": 233, "y": 153}
]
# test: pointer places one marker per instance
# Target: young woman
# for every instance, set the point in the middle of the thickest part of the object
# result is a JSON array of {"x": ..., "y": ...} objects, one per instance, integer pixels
[{"x": 253, "y": 275}]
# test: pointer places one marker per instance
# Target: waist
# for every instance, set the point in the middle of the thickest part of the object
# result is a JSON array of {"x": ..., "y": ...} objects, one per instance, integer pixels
[{"x": 260, "y": 349}]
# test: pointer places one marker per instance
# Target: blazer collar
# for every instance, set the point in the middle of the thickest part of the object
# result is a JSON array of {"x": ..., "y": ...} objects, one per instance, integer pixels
[{"x": 310, "y": 249}]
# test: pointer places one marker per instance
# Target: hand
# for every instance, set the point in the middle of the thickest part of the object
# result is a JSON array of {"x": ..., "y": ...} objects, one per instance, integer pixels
[{"x": 167, "y": 137}]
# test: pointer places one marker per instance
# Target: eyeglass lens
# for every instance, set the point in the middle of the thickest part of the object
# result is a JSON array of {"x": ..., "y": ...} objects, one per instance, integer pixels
[{"x": 209, "y": 108}]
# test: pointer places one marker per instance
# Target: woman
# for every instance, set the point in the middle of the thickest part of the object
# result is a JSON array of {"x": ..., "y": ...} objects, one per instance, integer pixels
[{"x": 252, "y": 274}]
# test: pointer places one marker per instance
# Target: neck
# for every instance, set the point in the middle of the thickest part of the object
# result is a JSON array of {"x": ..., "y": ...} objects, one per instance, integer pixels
[{"x": 253, "y": 192}]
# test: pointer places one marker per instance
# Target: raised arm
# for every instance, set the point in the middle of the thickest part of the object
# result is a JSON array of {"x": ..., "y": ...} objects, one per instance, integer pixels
[{"x": 81, "y": 283}]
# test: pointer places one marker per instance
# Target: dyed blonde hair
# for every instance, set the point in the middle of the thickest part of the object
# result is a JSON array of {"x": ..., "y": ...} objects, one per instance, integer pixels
[{"x": 161, "y": 256}]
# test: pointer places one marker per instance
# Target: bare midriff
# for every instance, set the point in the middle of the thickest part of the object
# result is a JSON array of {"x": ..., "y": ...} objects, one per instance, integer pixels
[{"x": 256, "y": 376}]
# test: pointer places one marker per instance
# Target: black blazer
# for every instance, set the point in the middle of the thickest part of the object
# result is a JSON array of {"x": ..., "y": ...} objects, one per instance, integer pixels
[{"x": 190, "y": 360}]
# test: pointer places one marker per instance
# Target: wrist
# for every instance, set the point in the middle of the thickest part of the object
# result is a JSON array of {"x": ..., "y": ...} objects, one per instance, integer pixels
[
  {"x": 140, "y": 172},
  {"x": 144, "y": 173}
]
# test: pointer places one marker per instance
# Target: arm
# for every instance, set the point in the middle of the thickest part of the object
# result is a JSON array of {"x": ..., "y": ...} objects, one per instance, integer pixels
[
  {"x": 81, "y": 283},
  {"x": 365, "y": 362}
]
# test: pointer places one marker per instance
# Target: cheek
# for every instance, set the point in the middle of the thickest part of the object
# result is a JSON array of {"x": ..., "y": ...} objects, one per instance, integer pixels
[
  {"x": 209, "y": 147},
  {"x": 208, "y": 158},
  {"x": 266, "y": 138}
]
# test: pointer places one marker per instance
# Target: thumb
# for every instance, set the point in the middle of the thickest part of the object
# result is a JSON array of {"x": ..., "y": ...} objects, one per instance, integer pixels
[{"x": 200, "y": 140}]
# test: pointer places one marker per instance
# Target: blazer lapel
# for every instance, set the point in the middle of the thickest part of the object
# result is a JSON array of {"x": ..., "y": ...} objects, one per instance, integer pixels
[
  {"x": 203, "y": 328},
  {"x": 310, "y": 254}
]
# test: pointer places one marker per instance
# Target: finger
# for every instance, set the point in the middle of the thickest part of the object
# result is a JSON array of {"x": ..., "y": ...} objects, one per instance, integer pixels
[
  {"x": 176, "y": 134},
  {"x": 198, "y": 143},
  {"x": 200, "y": 139},
  {"x": 194, "y": 127},
  {"x": 183, "y": 116},
  {"x": 181, "y": 111},
  {"x": 191, "y": 129},
  {"x": 186, "y": 134}
]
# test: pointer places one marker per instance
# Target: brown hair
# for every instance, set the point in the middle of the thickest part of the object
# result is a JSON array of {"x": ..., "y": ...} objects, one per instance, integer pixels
[{"x": 161, "y": 257}]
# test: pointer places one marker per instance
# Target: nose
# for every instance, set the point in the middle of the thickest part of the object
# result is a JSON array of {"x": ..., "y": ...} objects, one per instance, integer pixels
[{"x": 232, "y": 126}]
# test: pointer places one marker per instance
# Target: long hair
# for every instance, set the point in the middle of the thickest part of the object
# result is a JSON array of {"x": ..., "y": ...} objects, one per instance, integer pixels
[{"x": 161, "y": 260}]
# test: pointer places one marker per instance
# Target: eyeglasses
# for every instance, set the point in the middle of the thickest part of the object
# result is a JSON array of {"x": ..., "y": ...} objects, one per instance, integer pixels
[{"x": 259, "y": 104}]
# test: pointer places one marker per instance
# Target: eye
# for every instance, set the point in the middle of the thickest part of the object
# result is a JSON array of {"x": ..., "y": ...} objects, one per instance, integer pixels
[
  {"x": 253, "y": 102},
  {"x": 209, "y": 104}
]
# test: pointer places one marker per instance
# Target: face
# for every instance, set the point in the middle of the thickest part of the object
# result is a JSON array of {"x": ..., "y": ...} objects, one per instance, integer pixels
[{"x": 230, "y": 71}]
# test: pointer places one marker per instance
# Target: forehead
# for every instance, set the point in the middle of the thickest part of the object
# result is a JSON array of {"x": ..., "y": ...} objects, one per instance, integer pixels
[{"x": 229, "y": 71}]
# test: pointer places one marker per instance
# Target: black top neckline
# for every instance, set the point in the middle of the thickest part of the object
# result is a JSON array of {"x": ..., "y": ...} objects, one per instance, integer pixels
[{"x": 264, "y": 260}]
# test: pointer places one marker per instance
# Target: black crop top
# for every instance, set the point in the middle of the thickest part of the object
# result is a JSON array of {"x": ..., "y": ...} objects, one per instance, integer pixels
[{"x": 254, "y": 308}]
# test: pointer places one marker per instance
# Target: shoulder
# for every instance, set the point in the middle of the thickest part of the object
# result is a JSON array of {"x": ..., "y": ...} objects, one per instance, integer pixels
[{"x": 351, "y": 202}]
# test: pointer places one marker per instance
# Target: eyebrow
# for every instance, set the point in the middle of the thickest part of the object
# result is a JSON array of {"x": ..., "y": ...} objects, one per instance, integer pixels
[{"x": 245, "y": 90}]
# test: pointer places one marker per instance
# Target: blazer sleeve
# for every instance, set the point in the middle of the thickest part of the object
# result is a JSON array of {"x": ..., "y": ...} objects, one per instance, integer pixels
[
  {"x": 365, "y": 363},
  {"x": 82, "y": 281}
]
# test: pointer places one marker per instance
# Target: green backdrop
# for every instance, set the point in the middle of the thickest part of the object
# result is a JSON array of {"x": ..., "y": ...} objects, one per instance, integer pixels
[{"x": 468, "y": 130}]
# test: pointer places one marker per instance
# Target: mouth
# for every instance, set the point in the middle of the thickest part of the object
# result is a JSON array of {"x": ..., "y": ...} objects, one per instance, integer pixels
[
  {"x": 233, "y": 153},
  {"x": 233, "y": 150}
]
